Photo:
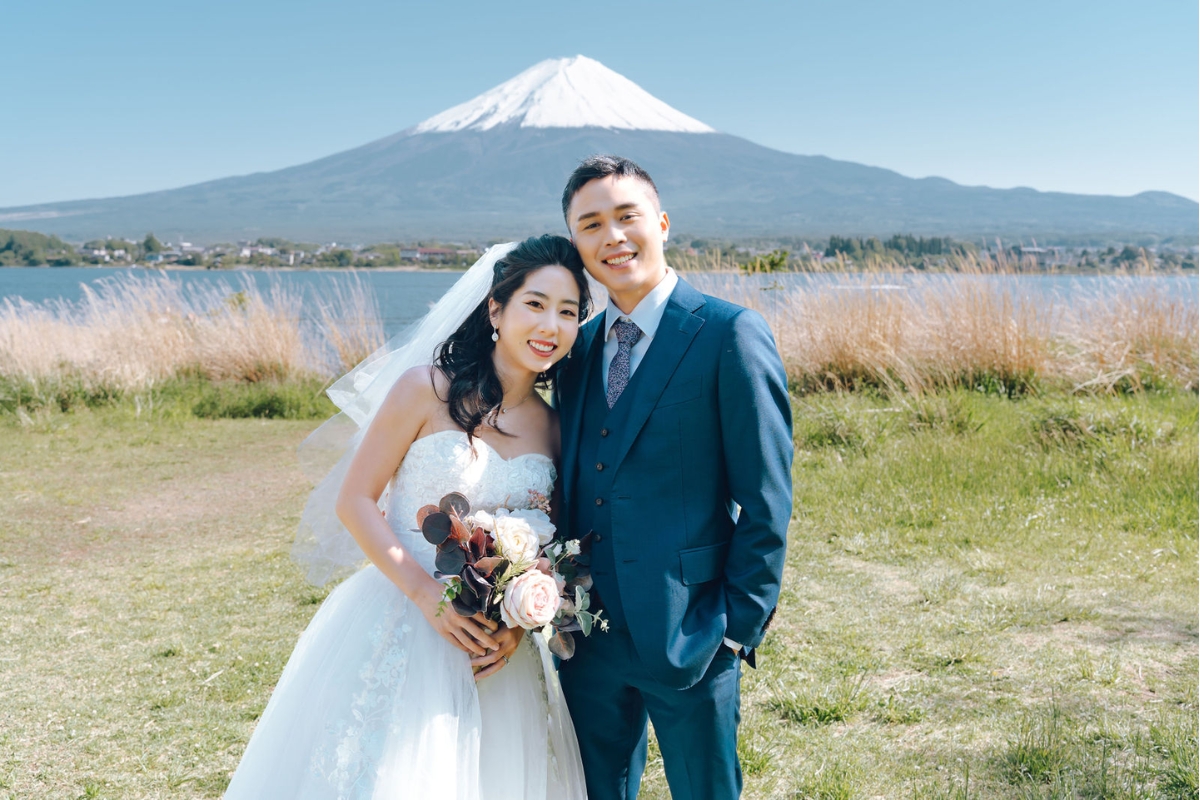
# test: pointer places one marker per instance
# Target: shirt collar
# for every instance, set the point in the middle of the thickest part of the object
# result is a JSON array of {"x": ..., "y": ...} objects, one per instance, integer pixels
[{"x": 649, "y": 311}]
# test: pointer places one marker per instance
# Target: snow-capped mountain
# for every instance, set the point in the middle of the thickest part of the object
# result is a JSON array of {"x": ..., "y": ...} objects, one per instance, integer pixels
[
  {"x": 494, "y": 167},
  {"x": 574, "y": 92}
]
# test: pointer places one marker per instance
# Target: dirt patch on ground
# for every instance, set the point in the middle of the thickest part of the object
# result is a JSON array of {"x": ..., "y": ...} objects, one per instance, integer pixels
[
  {"x": 894, "y": 582},
  {"x": 184, "y": 501},
  {"x": 1119, "y": 630},
  {"x": 168, "y": 493}
]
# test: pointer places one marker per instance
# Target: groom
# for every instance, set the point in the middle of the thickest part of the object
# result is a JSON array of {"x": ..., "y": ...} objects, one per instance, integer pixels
[{"x": 674, "y": 411}]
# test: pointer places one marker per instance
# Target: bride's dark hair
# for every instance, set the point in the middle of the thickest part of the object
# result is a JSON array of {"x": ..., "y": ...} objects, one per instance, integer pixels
[{"x": 475, "y": 394}]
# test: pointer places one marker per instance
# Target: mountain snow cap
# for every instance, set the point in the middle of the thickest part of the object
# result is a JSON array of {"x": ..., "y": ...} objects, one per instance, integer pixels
[{"x": 574, "y": 92}]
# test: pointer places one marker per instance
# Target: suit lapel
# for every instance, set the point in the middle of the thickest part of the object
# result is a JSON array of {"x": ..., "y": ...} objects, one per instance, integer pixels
[{"x": 675, "y": 333}]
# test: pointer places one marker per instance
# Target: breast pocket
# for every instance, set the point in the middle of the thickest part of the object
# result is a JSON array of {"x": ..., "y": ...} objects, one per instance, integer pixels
[{"x": 677, "y": 393}]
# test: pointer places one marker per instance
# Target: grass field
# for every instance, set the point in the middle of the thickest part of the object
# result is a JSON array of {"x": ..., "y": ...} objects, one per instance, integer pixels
[{"x": 984, "y": 598}]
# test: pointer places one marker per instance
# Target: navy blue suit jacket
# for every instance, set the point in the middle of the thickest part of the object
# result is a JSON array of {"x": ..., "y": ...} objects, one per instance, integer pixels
[{"x": 710, "y": 427}]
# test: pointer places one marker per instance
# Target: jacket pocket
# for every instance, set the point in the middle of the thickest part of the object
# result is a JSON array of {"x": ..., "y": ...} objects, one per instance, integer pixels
[
  {"x": 702, "y": 564},
  {"x": 679, "y": 393}
]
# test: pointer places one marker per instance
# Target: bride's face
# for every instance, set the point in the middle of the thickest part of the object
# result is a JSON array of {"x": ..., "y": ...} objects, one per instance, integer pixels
[{"x": 539, "y": 323}]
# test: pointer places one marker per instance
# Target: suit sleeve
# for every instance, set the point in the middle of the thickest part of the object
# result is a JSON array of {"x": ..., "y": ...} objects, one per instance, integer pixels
[{"x": 756, "y": 436}]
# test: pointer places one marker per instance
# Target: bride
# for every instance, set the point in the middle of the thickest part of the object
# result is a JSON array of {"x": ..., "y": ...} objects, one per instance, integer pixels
[{"x": 386, "y": 695}]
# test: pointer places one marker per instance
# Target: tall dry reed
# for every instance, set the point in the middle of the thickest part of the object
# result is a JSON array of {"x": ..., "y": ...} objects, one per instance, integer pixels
[
  {"x": 350, "y": 319},
  {"x": 887, "y": 329},
  {"x": 1132, "y": 337},
  {"x": 132, "y": 332},
  {"x": 895, "y": 331}
]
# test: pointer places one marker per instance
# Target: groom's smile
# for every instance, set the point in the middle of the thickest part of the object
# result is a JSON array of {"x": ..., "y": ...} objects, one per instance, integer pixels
[{"x": 619, "y": 261}]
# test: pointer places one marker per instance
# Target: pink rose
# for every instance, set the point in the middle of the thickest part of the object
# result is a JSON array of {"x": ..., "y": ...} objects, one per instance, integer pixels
[{"x": 530, "y": 601}]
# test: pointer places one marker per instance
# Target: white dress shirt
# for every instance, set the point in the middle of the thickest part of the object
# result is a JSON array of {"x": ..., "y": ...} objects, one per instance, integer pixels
[{"x": 647, "y": 314}]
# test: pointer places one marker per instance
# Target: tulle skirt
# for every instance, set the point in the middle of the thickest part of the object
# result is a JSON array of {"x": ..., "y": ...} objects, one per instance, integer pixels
[{"x": 375, "y": 704}]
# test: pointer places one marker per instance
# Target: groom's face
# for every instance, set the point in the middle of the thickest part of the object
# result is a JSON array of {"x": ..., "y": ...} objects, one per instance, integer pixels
[{"x": 619, "y": 230}]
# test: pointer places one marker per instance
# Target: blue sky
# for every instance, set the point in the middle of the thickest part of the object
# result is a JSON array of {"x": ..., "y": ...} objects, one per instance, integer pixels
[{"x": 122, "y": 97}]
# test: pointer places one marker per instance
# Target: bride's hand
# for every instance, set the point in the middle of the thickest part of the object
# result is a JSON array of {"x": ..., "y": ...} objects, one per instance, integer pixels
[
  {"x": 470, "y": 634},
  {"x": 509, "y": 639}
]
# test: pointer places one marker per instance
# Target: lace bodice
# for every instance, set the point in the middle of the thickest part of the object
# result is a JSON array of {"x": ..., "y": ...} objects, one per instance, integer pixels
[{"x": 443, "y": 462}]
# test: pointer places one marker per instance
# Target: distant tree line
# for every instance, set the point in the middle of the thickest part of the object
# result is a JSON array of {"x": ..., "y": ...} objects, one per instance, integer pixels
[
  {"x": 774, "y": 261},
  {"x": 901, "y": 247},
  {"x": 282, "y": 252},
  {"x": 787, "y": 254},
  {"x": 29, "y": 249}
]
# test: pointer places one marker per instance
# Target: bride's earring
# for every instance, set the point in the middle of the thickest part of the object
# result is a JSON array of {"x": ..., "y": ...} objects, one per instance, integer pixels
[{"x": 495, "y": 334}]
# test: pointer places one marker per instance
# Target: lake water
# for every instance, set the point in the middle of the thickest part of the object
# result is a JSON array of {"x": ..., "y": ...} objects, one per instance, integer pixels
[{"x": 406, "y": 296}]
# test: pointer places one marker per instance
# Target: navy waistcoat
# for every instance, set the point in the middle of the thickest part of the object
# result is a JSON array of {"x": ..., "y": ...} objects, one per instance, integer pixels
[{"x": 598, "y": 444}]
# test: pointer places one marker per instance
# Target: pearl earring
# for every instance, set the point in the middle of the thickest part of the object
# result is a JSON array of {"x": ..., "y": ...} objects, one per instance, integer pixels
[{"x": 495, "y": 334}]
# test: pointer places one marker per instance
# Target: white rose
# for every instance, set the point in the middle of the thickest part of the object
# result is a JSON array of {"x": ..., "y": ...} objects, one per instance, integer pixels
[
  {"x": 515, "y": 540},
  {"x": 538, "y": 522},
  {"x": 483, "y": 519},
  {"x": 530, "y": 601}
]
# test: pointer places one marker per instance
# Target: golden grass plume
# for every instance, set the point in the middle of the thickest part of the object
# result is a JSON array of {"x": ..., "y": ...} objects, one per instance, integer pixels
[
  {"x": 978, "y": 327},
  {"x": 887, "y": 329},
  {"x": 131, "y": 332}
]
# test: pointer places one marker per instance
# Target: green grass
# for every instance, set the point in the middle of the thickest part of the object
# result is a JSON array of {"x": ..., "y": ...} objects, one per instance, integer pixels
[
  {"x": 149, "y": 602},
  {"x": 294, "y": 398},
  {"x": 984, "y": 598}
]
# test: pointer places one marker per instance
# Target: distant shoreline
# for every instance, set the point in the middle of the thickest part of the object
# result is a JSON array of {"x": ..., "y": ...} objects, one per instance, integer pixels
[
  {"x": 1075, "y": 272},
  {"x": 239, "y": 268}
]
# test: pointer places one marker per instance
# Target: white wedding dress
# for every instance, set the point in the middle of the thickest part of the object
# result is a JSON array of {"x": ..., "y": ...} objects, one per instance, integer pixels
[{"x": 375, "y": 704}]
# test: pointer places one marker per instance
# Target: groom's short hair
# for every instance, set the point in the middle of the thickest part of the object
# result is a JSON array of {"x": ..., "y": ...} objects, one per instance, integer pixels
[{"x": 603, "y": 166}]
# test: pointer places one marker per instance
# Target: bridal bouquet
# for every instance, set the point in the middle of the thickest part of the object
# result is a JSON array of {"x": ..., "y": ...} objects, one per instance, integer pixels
[{"x": 508, "y": 566}]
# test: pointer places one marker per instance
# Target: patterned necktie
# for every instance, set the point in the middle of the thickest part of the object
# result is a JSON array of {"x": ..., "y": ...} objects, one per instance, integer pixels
[{"x": 618, "y": 371}]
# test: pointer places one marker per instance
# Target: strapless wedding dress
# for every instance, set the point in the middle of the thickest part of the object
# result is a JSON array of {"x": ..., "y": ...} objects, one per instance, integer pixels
[{"x": 375, "y": 704}]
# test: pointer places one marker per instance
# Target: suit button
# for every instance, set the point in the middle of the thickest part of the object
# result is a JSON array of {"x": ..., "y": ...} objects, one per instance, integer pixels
[
  {"x": 603, "y": 432},
  {"x": 599, "y": 468},
  {"x": 599, "y": 501},
  {"x": 598, "y": 538}
]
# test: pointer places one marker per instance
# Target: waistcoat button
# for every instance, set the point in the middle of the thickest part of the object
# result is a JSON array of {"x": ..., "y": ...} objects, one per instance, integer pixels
[
  {"x": 599, "y": 468},
  {"x": 599, "y": 501},
  {"x": 604, "y": 432}
]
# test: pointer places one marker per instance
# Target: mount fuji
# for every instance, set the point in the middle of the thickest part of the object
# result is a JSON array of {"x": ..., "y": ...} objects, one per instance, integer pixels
[{"x": 493, "y": 168}]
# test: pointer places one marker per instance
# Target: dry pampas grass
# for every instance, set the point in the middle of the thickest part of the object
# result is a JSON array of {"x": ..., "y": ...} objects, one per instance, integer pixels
[
  {"x": 898, "y": 332},
  {"x": 132, "y": 332},
  {"x": 887, "y": 329}
]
